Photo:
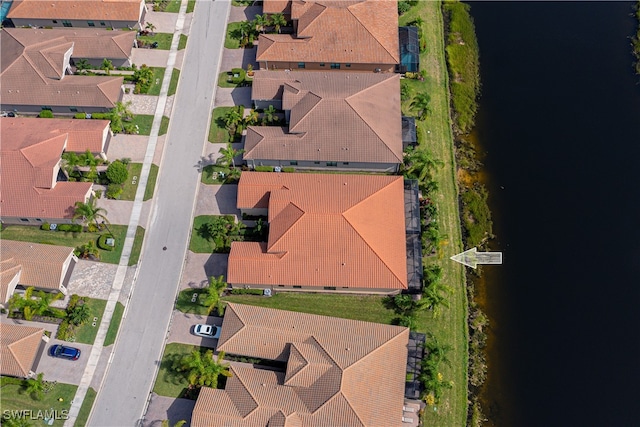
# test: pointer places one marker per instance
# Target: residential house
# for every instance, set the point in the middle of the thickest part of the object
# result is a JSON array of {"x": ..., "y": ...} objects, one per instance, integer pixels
[
  {"x": 34, "y": 77},
  {"x": 348, "y": 121},
  {"x": 352, "y": 35},
  {"x": 78, "y": 13},
  {"x": 327, "y": 232},
  {"x": 270, "y": 7},
  {"x": 91, "y": 44},
  {"x": 43, "y": 267},
  {"x": 337, "y": 372},
  {"x": 33, "y": 188},
  {"x": 20, "y": 349}
]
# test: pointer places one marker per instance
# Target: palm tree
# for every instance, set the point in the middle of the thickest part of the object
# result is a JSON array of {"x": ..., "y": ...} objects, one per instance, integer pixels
[
  {"x": 35, "y": 386},
  {"x": 247, "y": 28},
  {"x": 82, "y": 64},
  {"x": 269, "y": 115},
  {"x": 252, "y": 117},
  {"x": 228, "y": 155},
  {"x": 89, "y": 250},
  {"x": 41, "y": 305},
  {"x": 419, "y": 163},
  {"x": 217, "y": 285},
  {"x": 262, "y": 21},
  {"x": 433, "y": 298},
  {"x": 14, "y": 420},
  {"x": 231, "y": 121},
  {"x": 150, "y": 27},
  {"x": 278, "y": 21},
  {"x": 107, "y": 66},
  {"x": 421, "y": 103},
  {"x": 80, "y": 314},
  {"x": 89, "y": 212},
  {"x": 203, "y": 370}
]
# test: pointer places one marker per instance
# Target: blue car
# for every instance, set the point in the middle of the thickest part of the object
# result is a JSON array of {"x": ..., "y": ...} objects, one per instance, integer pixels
[{"x": 64, "y": 352}]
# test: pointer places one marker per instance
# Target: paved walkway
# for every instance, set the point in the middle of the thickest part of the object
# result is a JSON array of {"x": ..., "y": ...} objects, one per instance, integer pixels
[{"x": 96, "y": 351}]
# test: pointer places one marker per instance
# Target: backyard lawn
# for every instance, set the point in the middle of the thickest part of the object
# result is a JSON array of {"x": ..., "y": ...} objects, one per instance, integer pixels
[
  {"x": 218, "y": 134},
  {"x": 85, "y": 409},
  {"x": 86, "y": 333},
  {"x": 15, "y": 399},
  {"x": 358, "y": 307},
  {"x": 435, "y": 131},
  {"x": 163, "y": 39},
  {"x": 114, "y": 325},
  {"x": 33, "y": 234},
  {"x": 169, "y": 382}
]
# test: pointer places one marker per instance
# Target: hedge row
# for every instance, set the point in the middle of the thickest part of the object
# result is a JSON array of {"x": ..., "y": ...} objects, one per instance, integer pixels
[{"x": 247, "y": 291}]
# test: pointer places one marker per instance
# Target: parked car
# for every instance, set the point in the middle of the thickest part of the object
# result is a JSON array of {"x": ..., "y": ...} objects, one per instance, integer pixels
[
  {"x": 64, "y": 352},
  {"x": 207, "y": 331}
]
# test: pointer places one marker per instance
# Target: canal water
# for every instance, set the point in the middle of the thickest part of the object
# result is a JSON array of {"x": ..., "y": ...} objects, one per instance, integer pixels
[{"x": 559, "y": 123}]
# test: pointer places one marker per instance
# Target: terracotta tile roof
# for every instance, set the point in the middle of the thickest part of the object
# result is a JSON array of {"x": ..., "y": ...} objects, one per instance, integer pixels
[
  {"x": 9, "y": 269},
  {"x": 41, "y": 265},
  {"x": 355, "y": 31},
  {"x": 29, "y": 169},
  {"x": 33, "y": 74},
  {"x": 342, "y": 117},
  {"x": 97, "y": 10},
  {"x": 81, "y": 135},
  {"x": 18, "y": 348},
  {"x": 325, "y": 230},
  {"x": 96, "y": 43},
  {"x": 339, "y": 372},
  {"x": 276, "y": 6}
]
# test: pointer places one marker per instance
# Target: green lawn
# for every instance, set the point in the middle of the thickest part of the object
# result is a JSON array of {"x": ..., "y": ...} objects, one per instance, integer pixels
[
  {"x": 169, "y": 382},
  {"x": 199, "y": 244},
  {"x": 14, "y": 398},
  {"x": 163, "y": 39},
  {"x": 230, "y": 42},
  {"x": 33, "y": 234},
  {"x": 131, "y": 184},
  {"x": 151, "y": 182},
  {"x": 207, "y": 174},
  {"x": 86, "y": 333},
  {"x": 156, "y": 85},
  {"x": 173, "y": 6},
  {"x": 137, "y": 246},
  {"x": 85, "y": 409},
  {"x": 223, "y": 82},
  {"x": 173, "y": 84},
  {"x": 185, "y": 305},
  {"x": 435, "y": 131},
  {"x": 145, "y": 121},
  {"x": 358, "y": 307},
  {"x": 182, "y": 43},
  {"x": 114, "y": 325},
  {"x": 217, "y": 132},
  {"x": 191, "y": 4}
]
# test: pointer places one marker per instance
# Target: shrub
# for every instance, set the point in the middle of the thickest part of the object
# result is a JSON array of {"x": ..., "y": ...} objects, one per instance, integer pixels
[
  {"x": 80, "y": 116},
  {"x": 102, "y": 242},
  {"x": 288, "y": 169},
  {"x": 92, "y": 228},
  {"x": 247, "y": 291},
  {"x": 46, "y": 114},
  {"x": 73, "y": 301},
  {"x": 264, "y": 168},
  {"x": 65, "y": 331},
  {"x": 240, "y": 73},
  {"x": 64, "y": 227},
  {"x": 114, "y": 191},
  {"x": 403, "y": 7},
  {"x": 98, "y": 194},
  {"x": 45, "y": 226},
  {"x": 117, "y": 172},
  {"x": 101, "y": 116}
]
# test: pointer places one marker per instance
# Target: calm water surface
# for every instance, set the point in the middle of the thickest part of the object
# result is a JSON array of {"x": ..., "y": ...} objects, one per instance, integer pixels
[{"x": 560, "y": 122}]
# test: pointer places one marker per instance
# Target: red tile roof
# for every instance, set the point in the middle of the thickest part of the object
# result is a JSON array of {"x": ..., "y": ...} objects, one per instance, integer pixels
[
  {"x": 325, "y": 230},
  {"x": 95, "y": 43},
  {"x": 42, "y": 266},
  {"x": 34, "y": 74},
  {"x": 343, "y": 117},
  {"x": 27, "y": 185},
  {"x": 18, "y": 349},
  {"x": 97, "y": 10},
  {"x": 339, "y": 372},
  {"x": 353, "y": 31}
]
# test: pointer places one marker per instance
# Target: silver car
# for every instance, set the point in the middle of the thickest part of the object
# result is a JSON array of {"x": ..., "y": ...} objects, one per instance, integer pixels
[{"x": 207, "y": 331}]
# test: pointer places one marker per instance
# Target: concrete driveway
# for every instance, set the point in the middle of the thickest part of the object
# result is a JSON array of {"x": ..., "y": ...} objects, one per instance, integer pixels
[
  {"x": 150, "y": 57},
  {"x": 247, "y": 13},
  {"x": 165, "y": 22},
  {"x": 63, "y": 370},
  {"x": 198, "y": 267},
  {"x": 167, "y": 408},
  {"x": 182, "y": 329},
  {"x": 238, "y": 58},
  {"x": 227, "y": 97},
  {"x": 217, "y": 200},
  {"x": 133, "y": 147}
]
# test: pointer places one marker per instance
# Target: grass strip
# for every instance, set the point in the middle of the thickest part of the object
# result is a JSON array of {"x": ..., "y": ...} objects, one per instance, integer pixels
[
  {"x": 137, "y": 246},
  {"x": 85, "y": 409},
  {"x": 114, "y": 325},
  {"x": 151, "y": 182}
]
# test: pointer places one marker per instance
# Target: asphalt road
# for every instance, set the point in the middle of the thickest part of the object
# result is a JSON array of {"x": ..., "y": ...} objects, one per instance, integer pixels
[{"x": 129, "y": 380}]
